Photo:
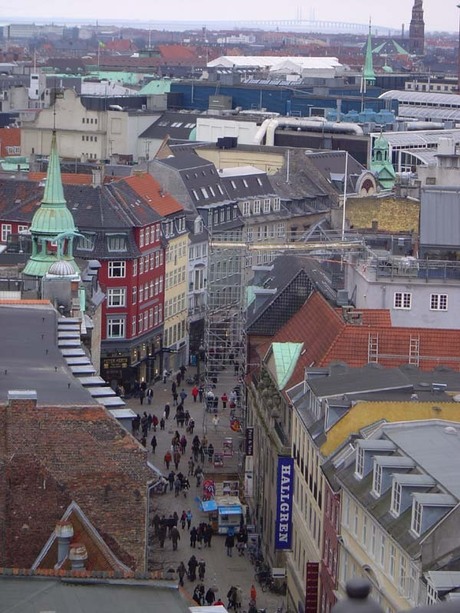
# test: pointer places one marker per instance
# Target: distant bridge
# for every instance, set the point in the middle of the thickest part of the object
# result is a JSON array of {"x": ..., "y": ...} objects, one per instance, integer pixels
[{"x": 289, "y": 25}]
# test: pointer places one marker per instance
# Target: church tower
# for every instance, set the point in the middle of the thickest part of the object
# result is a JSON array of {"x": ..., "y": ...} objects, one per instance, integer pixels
[
  {"x": 417, "y": 29},
  {"x": 368, "y": 68},
  {"x": 53, "y": 228}
]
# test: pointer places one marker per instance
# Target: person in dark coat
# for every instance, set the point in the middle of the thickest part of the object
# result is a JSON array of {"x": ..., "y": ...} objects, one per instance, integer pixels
[
  {"x": 193, "y": 534},
  {"x": 229, "y": 544},
  {"x": 175, "y": 537},
  {"x": 181, "y": 571},
  {"x": 192, "y": 564},
  {"x": 154, "y": 443},
  {"x": 162, "y": 535},
  {"x": 210, "y": 597},
  {"x": 201, "y": 569},
  {"x": 167, "y": 410}
]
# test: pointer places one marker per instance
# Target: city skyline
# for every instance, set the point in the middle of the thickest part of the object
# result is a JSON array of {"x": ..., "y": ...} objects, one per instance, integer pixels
[{"x": 391, "y": 14}]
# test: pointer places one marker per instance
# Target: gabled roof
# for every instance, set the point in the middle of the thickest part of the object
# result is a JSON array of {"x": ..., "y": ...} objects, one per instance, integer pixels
[
  {"x": 151, "y": 191},
  {"x": 328, "y": 338},
  {"x": 100, "y": 556}
]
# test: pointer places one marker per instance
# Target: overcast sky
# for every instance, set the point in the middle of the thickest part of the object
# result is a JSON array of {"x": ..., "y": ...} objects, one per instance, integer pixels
[{"x": 439, "y": 14}]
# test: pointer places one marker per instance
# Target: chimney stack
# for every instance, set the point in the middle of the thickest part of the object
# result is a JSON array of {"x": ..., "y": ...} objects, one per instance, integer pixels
[
  {"x": 78, "y": 556},
  {"x": 64, "y": 533},
  {"x": 22, "y": 399}
]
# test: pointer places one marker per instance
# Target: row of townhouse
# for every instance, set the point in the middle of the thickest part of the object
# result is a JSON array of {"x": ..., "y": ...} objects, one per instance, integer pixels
[
  {"x": 151, "y": 233},
  {"x": 304, "y": 408}
]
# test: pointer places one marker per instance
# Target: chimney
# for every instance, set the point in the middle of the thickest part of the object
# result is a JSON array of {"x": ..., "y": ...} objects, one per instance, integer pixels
[
  {"x": 98, "y": 176},
  {"x": 78, "y": 556},
  {"x": 22, "y": 399},
  {"x": 64, "y": 533}
]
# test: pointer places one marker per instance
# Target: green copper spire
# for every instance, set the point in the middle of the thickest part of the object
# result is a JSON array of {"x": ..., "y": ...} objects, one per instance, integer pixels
[
  {"x": 368, "y": 69},
  {"x": 53, "y": 228}
]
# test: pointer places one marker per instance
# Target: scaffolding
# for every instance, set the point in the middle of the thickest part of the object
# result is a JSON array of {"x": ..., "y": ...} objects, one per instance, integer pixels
[{"x": 230, "y": 264}]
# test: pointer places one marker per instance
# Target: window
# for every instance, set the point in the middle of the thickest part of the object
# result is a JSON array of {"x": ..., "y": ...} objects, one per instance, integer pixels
[
  {"x": 204, "y": 192},
  {"x": 431, "y": 594},
  {"x": 134, "y": 268},
  {"x": 256, "y": 207},
  {"x": 438, "y": 302},
  {"x": 373, "y": 539},
  {"x": 141, "y": 238},
  {"x": 117, "y": 269},
  {"x": 392, "y": 567},
  {"x": 402, "y": 300},
  {"x": 6, "y": 231},
  {"x": 416, "y": 524},
  {"x": 383, "y": 541},
  {"x": 134, "y": 300},
  {"x": 116, "y": 242},
  {"x": 133, "y": 325},
  {"x": 377, "y": 480},
  {"x": 233, "y": 184},
  {"x": 364, "y": 532},
  {"x": 359, "y": 466},
  {"x": 267, "y": 205},
  {"x": 116, "y": 297},
  {"x": 276, "y": 204},
  {"x": 395, "y": 506},
  {"x": 86, "y": 242},
  {"x": 246, "y": 209},
  {"x": 115, "y": 327}
]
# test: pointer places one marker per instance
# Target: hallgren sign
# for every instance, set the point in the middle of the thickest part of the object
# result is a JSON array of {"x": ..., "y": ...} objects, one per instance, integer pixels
[{"x": 284, "y": 491}]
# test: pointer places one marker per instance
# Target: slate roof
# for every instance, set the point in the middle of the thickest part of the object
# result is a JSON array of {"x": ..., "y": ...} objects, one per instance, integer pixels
[
  {"x": 249, "y": 182},
  {"x": 328, "y": 338},
  {"x": 177, "y": 126},
  {"x": 331, "y": 165}
]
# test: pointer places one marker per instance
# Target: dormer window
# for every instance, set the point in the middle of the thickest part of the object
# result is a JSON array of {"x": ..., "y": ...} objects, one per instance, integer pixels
[
  {"x": 256, "y": 207},
  {"x": 396, "y": 492},
  {"x": 276, "y": 204},
  {"x": 359, "y": 466},
  {"x": 246, "y": 209},
  {"x": 116, "y": 242},
  {"x": 417, "y": 514},
  {"x": 377, "y": 480}
]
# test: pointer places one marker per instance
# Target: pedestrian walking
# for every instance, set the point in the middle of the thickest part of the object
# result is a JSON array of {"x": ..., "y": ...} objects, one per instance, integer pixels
[
  {"x": 238, "y": 598},
  {"x": 162, "y": 535},
  {"x": 167, "y": 410},
  {"x": 191, "y": 467},
  {"x": 176, "y": 458},
  {"x": 224, "y": 399},
  {"x": 198, "y": 475},
  {"x": 154, "y": 422},
  {"x": 183, "y": 395},
  {"x": 165, "y": 375},
  {"x": 167, "y": 459},
  {"x": 149, "y": 394},
  {"x": 215, "y": 421},
  {"x": 193, "y": 533},
  {"x": 153, "y": 443},
  {"x": 253, "y": 595},
  {"x": 230, "y": 543},
  {"x": 210, "y": 597},
  {"x": 209, "y": 534},
  {"x": 162, "y": 423},
  {"x": 195, "y": 393},
  {"x": 189, "y": 519},
  {"x": 191, "y": 425},
  {"x": 187, "y": 418},
  {"x": 175, "y": 537},
  {"x": 192, "y": 564},
  {"x": 183, "y": 519},
  {"x": 210, "y": 452},
  {"x": 231, "y": 595},
  {"x": 201, "y": 569},
  {"x": 181, "y": 571},
  {"x": 149, "y": 422},
  {"x": 183, "y": 444},
  {"x": 177, "y": 486},
  {"x": 171, "y": 478},
  {"x": 141, "y": 396},
  {"x": 173, "y": 387},
  {"x": 200, "y": 393}
]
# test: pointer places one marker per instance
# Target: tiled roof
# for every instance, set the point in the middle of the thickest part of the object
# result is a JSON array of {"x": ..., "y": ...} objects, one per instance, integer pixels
[
  {"x": 9, "y": 137},
  {"x": 86, "y": 574},
  {"x": 328, "y": 338},
  {"x": 68, "y": 178},
  {"x": 177, "y": 53},
  {"x": 79, "y": 454},
  {"x": 151, "y": 191}
]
